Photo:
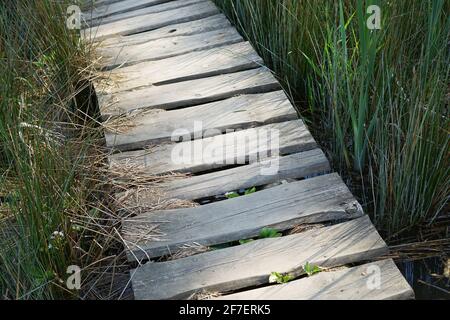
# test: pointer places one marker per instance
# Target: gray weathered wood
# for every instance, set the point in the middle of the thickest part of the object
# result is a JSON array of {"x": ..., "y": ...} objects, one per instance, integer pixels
[
  {"x": 109, "y": 9},
  {"x": 130, "y": 13},
  {"x": 295, "y": 166},
  {"x": 206, "y": 120},
  {"x": 97, "y": 3},
  {"x": 184, "y": 54},
  {"x": 240, "y": 147},
  {"x": 251, "y": 264},
  {"x": 347, "y": 284},
  {"x": 195, "y": 65},
  {"x": 319, "y": 199},
  {"x": 151, "y": 21},
  {"x": 188, "y": 93},
  {"x": 165, "y": 48},
  {"x": 215, "y": 22}
]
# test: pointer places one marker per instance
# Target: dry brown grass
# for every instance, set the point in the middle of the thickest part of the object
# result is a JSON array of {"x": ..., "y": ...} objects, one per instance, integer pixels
[
  {"x": 204, "y": 295},
  {"x": 189, "y": 250}
]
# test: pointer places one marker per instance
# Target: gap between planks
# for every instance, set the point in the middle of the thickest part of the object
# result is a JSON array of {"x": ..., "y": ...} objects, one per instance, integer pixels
[
  {"x": 150, "y": 21},
  {"x": 189, "y": 93},
  {"x": 355, "y": 283},
  {"x": 295, "y": 166},
  {"x": 251, "y": 264},
  {"x": 215, "y": 22},
  {"x": 319, "y": 199},
  {"x": 115, "y": 14},
  {"x": 190, "y": 66},
  {"x": 236, "y": 148},
  {"x": 208, "y": 120},
  {"x": 126, "y": 55}
]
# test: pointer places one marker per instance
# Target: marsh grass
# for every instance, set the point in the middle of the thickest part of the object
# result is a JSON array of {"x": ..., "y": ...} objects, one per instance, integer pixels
[
  {"x": 376, "y": 99},
  {"x": 53, "y": 194}
]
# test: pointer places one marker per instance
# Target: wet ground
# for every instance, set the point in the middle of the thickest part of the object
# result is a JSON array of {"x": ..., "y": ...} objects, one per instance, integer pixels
[{"x": 429, "y": 278}]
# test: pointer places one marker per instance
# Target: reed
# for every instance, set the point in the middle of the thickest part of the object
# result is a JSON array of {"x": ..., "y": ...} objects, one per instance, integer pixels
[
  {"x": 376, "y": 99},
  {"x": 49, "y": 211}
]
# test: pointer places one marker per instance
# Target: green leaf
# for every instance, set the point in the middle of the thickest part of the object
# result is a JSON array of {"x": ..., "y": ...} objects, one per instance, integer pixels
[
  {"x": 269, "y": 233},
  {"x": 244, "y": 241},
  {"x": 311, "y": 269},
  {"x": 231, "y": 195},
  {"x": 250, "y": 191},
  {"x": 276, "y": 277}
]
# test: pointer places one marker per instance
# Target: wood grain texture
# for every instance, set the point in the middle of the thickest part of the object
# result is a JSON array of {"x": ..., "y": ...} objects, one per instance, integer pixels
[
  {"x": 123, "y": 56},
  {"x": 206, "y": 120},
  {"x": 295, "y": 166},
  {"x": 108, "y": 9},
  {"x": 215, "y": 22},
  {"x": 150, "y": 21},
  {"x": 195, "y": 65},
  {"x": 324, "y": 198},
  {"x": 188, "y": 93},
  {"x": 98, "y": 3},
  {"x": 240, "y": 147},
  {"x": 93, "y": 20},
  {"x": 347, "y": 284},
  {"x": 173, "y": 65},
  {"x": 251, "y": 264}
]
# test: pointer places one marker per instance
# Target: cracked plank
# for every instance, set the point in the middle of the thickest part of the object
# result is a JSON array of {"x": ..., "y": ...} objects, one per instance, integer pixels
[
  {"x": 348, "y": 284},
  {"x": 251, "y": 264},
  {"x": 324, "y": 198},
  {"x": 241, "y": 112},
  {"x": 240, "y": 147},
  {"x": 188, "y": 93}
]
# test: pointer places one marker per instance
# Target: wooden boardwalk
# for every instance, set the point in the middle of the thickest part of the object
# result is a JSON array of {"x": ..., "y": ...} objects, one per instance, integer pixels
[{"x": 180, "y": 65}]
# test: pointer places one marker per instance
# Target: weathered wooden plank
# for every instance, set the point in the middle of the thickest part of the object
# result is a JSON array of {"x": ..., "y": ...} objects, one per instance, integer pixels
[
  {"x": 188, "y": 93},
  {"x": 165, "y": 48},
  {"x": 151, "y": 21},
  {"x": 215, "y": 22},
  {"x": 145, "y": 9},
  {"x": 199, "y": 64},
  {"x": 240, "y": 147},
  {"x": 98, "y": 3},
  {"x": 251, "y": 264},
  {"x": 348, "y": 284},
  {"x": 295, "y": 166},
  {"x": 319, "y": 199},
  {"x": 107, "y": 10},
  {"x": 206, "y": 120}
]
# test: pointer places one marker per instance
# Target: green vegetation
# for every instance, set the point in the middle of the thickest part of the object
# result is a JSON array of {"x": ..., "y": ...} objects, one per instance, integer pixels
[
  {"x": 310, "y": 269},
  {"x": 234, "y": 194},
  {"x": 276, "y": 277},
  {"x": 47, "y": 153},
  {"x": 265, "y": 233},
  {"x": 376, "y": 99}
]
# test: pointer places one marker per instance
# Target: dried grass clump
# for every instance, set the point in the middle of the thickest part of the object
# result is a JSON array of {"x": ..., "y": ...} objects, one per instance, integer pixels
[
  {"x": 124, "y": 123},
  {"x": 305, "y": 227},
  {"x": 189, "y": 250},
  {"x": 147, "y": 199},
  {"x": 205, "y": 295}
]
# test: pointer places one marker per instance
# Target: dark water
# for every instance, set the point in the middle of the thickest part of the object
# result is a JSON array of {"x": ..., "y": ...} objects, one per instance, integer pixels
[{"x": 433, "y": 272}]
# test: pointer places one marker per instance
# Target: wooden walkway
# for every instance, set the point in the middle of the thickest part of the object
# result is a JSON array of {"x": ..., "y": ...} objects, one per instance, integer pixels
[{"x": 172, "y": 65}]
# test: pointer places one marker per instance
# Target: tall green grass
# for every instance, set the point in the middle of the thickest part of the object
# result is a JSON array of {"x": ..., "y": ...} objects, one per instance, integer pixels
[
  {"x": 376, "y": 99},
  {"x": 46, "y": 151}
]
